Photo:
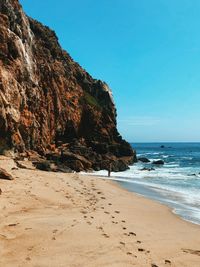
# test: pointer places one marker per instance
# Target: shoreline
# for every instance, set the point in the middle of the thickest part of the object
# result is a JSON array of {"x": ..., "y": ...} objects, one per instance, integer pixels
[
  {"x": 146, "y": 198},
  {"x": 162, "y": 204},
  {"x": 147, "y": 192},
  {"x": 56, "y": 219}
]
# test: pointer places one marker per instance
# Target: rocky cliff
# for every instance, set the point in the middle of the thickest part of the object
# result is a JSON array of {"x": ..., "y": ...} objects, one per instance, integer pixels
[{"x": 49, "y": 104}]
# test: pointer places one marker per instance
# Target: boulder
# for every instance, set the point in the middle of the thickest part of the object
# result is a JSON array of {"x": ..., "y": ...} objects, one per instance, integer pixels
[
  {"x": 20, "y": 165},
  {"x": 158, "y": 162},
  {"x": 143, "y": 159},
  {"x": 75, "y": 161},
  {"x": 5, "y": 175},
  {"x": 63, "y": 168},
  {"x": 43, "y": 165},
  {"x": 121, "y": 166},
  {"x": 116, "y": 165}
]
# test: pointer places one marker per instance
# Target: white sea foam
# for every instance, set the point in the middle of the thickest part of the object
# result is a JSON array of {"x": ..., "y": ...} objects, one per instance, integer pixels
[{"x": 165, "y": 181}]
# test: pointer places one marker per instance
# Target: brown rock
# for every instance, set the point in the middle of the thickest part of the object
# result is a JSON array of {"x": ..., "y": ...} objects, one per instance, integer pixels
[
  {"x": 75, "y": 161},
  {"x": 5, "y": 175},
  {"x": 44, "y": 165},
  {"x": 20, "y": 165}
]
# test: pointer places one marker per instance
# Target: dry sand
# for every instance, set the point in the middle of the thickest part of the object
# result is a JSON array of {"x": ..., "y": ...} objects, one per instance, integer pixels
[{"x": 69, "y": 220}]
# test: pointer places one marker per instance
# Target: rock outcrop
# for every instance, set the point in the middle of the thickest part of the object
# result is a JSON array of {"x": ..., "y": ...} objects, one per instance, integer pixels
[
  {"x": 144, "y": 160},
  {"x": 49, "y": 104},
  {"x": 158, "y": 162}
]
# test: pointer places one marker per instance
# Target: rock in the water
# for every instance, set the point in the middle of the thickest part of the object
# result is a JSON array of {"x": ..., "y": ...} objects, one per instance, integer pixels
[
  {"x": 145, "y": 160},
  {"x": 158, "y": 162},
  {"x": 148, "y": 169},
  {"x": 5, "y": 175}
]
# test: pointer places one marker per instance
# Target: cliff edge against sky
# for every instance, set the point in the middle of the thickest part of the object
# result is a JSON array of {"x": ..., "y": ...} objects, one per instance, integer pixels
[{"x": 49, "y": 104}]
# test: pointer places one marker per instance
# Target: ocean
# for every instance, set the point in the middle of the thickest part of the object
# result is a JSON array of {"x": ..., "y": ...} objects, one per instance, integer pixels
[{"x": 176, "y": 183}]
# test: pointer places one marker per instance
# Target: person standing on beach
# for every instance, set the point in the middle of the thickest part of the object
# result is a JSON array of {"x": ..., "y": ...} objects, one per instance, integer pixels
[{"x": 109, "y": 169}]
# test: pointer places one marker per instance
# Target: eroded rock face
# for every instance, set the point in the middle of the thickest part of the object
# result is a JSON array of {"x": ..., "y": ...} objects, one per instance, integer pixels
[{"x": 48, "y": 101}]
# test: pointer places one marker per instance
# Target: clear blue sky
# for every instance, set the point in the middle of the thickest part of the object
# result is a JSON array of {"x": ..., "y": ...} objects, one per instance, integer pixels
[{"x": 148, "y": 51}]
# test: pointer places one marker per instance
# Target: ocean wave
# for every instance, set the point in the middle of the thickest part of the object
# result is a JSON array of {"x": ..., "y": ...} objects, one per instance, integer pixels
[
  {"x": 187, "y": 158},
  {"x": 171, "y": 165},
  {"x": 177, "y": 182}
]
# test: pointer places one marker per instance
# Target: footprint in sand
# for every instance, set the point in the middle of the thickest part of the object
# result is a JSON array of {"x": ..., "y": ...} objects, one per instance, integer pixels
[
  {"x": 9, "y": 236},
  {"x": 132, "y": 233},
  {"x": 105, "y": 235},
  {"x": 141, "y": 249},
  {"x": 13, "y": 224},
  {"x": 28, "y": 228},
  {"x": 192, "y": 251},
  {"x": 106, "y": 212},
  {"x": 100, "y": 228}
]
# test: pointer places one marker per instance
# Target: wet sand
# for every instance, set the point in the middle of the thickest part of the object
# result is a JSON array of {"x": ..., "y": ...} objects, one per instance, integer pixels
[{"x": 54, "y": 219}]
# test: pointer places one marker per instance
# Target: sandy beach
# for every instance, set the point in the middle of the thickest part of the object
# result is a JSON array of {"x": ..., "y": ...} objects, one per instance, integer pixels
[{"x": 55, "y": 219}]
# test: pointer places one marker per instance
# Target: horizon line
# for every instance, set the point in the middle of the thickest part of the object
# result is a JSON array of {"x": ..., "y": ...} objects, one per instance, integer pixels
[{"x": 137, "y": 142}]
